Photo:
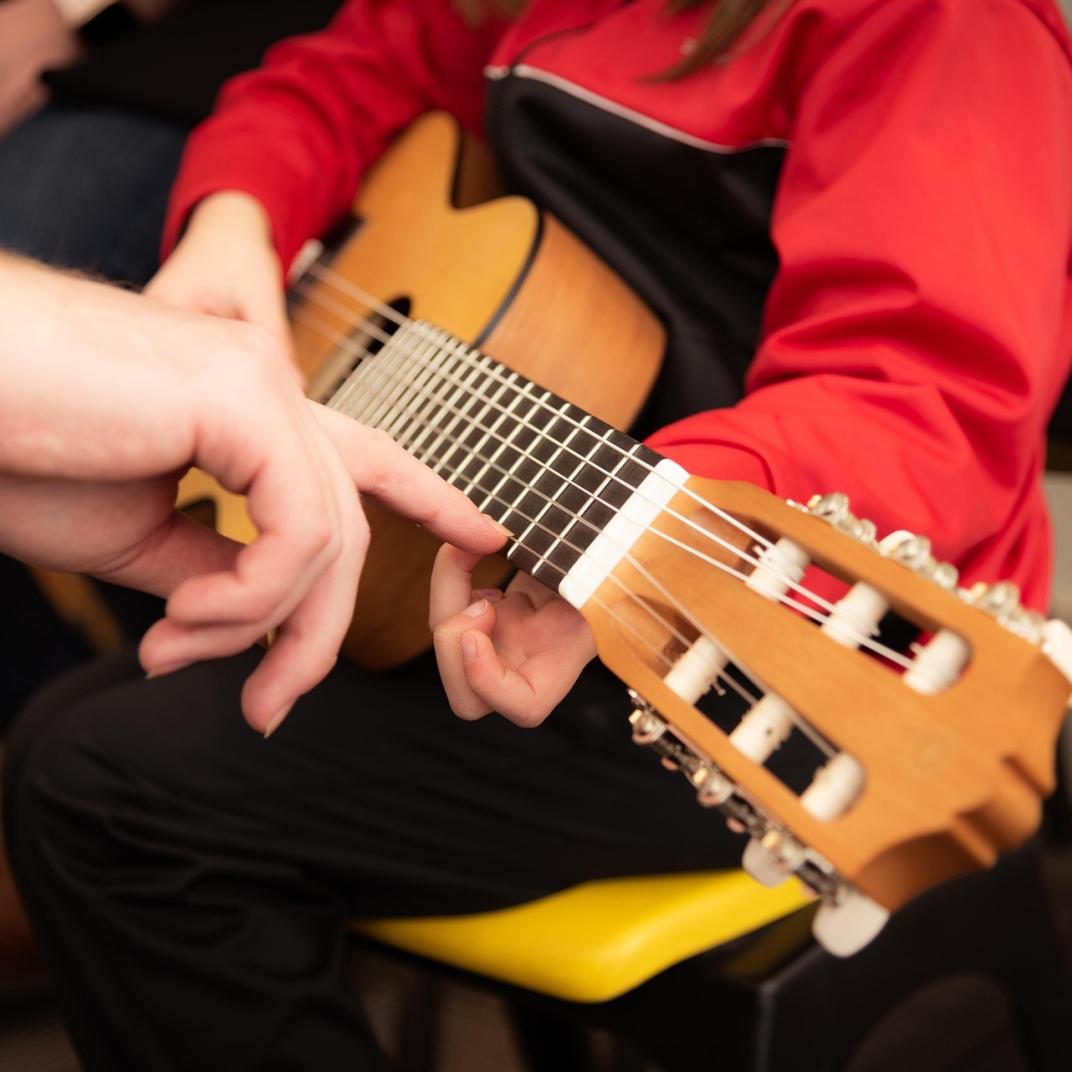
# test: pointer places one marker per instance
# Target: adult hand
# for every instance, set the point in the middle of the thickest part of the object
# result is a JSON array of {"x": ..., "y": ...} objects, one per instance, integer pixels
[
  {"x": 33, "y": 38},
  {"x": 225, "y": 265},
  {"x": 107, "y": 397},
  {"x": 517, "y": 652}
]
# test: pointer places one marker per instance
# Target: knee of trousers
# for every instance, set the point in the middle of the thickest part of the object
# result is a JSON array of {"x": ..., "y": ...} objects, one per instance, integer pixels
[{"x": 72, "y": 798}]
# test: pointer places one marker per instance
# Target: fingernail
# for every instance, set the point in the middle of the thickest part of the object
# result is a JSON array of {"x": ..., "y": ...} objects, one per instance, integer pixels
[
  {"x": 502, "y": 530},
  {"x": 277, "y": 720},
  {"x": 468, "y": 646},
  {"x": 163, "y": 671},
  {"x": 476, "y": 609},
  {"x": 492, "y": 595}
]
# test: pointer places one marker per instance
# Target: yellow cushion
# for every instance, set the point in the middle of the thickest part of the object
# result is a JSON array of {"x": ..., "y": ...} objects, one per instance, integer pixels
[{"x": 597, "y": 940}]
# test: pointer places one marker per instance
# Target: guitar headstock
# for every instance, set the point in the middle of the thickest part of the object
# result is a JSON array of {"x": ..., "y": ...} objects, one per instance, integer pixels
[{"x": 928, "y": 758}]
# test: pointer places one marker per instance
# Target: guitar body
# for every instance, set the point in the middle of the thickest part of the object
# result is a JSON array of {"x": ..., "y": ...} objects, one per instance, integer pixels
[{"x": 497, "y": 272}]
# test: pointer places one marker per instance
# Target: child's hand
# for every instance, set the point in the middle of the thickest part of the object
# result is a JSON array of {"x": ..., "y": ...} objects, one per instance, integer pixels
[
  {"x": 225, "y": 265},
  {"x": 517, "y": 652}
]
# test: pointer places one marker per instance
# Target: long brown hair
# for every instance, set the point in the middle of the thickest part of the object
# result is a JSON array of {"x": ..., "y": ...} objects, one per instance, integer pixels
[{"x": 724, "y": 28}]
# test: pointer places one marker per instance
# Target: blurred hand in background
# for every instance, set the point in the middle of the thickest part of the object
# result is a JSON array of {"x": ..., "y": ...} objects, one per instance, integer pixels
[{"x": 34, "y": 36}]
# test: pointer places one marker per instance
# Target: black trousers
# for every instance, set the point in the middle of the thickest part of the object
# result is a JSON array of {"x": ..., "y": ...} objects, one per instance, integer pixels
[{"x": 191, "y": 882}]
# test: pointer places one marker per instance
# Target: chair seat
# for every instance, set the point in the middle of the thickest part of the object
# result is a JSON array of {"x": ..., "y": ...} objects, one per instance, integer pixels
[{"x": 595, "y": 941}]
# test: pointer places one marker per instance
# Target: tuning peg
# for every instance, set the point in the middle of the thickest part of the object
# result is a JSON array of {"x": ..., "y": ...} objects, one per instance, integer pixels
[
  {"x": 713, "y": 788},
  {"x": 648, "y": 727},
  {"x": 907, "y": 548},
  {"x": 834, "y": 508},
  {"x": 761, "y": 864},
  {"x": 844, "y": 927},
  {"x": 770, "y": 860},
  {"x": 1001, "y": 599}
]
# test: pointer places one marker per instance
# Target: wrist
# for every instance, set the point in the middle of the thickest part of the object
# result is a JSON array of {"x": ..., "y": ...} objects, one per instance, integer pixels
[{"x": 232, "y": 213}]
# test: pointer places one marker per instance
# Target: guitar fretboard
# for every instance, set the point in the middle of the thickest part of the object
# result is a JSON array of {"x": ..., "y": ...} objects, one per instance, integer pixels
[{"x": 553, "y": 474}]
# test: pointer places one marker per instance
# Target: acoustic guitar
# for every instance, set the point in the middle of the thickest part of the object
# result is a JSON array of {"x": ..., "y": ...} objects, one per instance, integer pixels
[{"x": 930, "y": 759}]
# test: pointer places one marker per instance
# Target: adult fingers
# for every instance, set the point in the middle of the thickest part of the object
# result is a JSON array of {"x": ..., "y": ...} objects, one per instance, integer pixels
[
  {"x": 306, "y": 585},
  {"x": 288, "y": 481},
  {"x": 382, "y": 469},
  {"x": 310, "y": 634},
  {"x": 175, "y": 551},
  {"x": 309, "y": 639},
  {"x": 304, "y": 651}
]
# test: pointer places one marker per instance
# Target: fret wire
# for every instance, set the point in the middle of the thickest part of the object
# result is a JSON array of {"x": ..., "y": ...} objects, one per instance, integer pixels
[
  {"x": 441, "y": 392},
  {"x": 463, "y": 418},
  {"x": 491, "y": 405},
  {"x": 523, "y": 452},
  {"x": 409, "y": 349},
  {"x": 407, "y": 395},
  {"x": 558, "y": 412},
  {"x": 540, "y": 433},
  {"x": 391, "y": 351},
  {"x": 506, "y": 414},
  {"x": 509, "y": 444},
  {"x": 491, "y": 430},
  {"x": 593, "y": 496},
  {"x": 444, "y": 393},
  {"x": 431, "y": 440},
  {"x": 565, "y": 480}
]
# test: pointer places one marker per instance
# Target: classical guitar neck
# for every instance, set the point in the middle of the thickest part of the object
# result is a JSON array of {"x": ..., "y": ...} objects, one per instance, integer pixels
[{"x": 572, "y": 490}]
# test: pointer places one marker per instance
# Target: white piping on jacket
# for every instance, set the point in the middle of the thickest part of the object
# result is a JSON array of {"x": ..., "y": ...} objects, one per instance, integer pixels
[{"x": 534, "y": 74}]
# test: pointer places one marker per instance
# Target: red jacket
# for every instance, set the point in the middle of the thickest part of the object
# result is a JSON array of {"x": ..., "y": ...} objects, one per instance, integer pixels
[{"x": 910, "y": 162}]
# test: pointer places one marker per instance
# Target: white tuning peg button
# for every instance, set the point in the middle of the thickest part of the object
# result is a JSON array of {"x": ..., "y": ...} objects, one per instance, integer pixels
[
  {"x": 762, "y": 864},
  {"x": 773, "y": 858},
  {"x": 845, "y": 928}
]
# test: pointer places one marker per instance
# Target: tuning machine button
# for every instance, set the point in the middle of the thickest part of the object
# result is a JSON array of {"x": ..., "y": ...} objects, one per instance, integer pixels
[
  {"x": 648, "y": 725},
  {"x": 834, "y": 508},
  {"x": 844, "y": 926},
  {"x": 712, "y": 787},
  {"x": 770, "y": 860}
]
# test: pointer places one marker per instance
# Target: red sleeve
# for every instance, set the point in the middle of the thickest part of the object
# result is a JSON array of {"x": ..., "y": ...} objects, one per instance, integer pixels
[
  {"x": 298, "y": 133},
  {"x": 918, "y": 332}
]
